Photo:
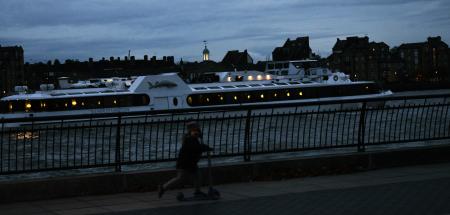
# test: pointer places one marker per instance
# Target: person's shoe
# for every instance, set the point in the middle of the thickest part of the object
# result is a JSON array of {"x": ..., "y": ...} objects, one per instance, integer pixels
[{"x": 160, "y": 191}]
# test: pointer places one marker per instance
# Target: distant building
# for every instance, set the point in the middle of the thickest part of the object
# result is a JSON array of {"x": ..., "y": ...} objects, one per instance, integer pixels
[
  {"x": 238, "y": 60},
  {"x": 427, "y": 60},
  {"x": 297, "y": 49},
  {"x": 11, "y": 68},
  {"x": 205, "y": 53},
  {"x": 362, "y": 59}
]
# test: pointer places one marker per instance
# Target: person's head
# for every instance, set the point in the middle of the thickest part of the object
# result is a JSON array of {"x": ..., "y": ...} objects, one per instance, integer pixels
[{"x": 193, "y": 129}]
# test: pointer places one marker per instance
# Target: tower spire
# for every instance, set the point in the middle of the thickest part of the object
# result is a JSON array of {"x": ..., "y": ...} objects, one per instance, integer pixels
[{"x": 205, "y": 51}]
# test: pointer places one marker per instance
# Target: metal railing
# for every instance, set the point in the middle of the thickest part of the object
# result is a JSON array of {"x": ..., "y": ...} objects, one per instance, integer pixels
[{"x": 114, "y": 140}]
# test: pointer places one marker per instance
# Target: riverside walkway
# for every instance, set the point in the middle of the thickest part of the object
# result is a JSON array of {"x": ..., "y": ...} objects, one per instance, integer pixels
[{"x": 423, "y": 189}]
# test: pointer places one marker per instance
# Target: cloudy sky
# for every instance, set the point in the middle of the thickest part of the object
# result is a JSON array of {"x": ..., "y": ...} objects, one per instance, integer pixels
[{"x": 79, "y": 29}]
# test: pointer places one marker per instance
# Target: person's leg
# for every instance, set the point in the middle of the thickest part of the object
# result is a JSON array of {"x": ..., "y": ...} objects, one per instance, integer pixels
[
  {"x": 196, "y": 177},
  {"x": 180, "y": 178},
  {"x": 181, "y": 175}
]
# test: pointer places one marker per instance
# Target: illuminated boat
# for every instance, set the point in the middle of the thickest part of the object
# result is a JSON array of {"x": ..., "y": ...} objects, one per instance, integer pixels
[{"x": 284, "y": 82}]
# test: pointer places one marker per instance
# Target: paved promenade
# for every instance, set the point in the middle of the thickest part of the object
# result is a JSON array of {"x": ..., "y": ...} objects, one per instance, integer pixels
[{"x": 406, "y": 190}]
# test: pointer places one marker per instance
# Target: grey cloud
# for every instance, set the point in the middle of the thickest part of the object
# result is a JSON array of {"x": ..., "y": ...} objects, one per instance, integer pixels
[{"x": 101, "y": 28}]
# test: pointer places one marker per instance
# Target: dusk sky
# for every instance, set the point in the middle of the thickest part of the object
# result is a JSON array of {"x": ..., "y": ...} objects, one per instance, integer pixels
[{"x": 102, "y": 28}]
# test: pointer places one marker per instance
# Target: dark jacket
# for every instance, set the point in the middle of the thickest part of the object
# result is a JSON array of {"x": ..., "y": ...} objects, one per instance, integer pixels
[{"x": 190, "y": 153}]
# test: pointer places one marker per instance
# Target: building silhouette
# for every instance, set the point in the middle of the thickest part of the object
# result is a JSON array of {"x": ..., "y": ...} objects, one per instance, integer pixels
[
  {"x": 427, "y": 60},
  {"x": 297, "y": 49},
  {"x": 361, "y": 59},
  {"x": 238, "y": 60},
  {"x": 11, "y": 68}
]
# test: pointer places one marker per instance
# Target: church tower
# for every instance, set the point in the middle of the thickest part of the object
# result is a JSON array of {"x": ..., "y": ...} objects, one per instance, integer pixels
[{"x": 205, "y": 52}]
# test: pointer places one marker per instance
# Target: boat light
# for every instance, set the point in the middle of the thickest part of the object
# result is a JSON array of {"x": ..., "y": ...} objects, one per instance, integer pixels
[
  {"x": 74, "y": 102},
  {"x": 229, "y": 79},
  {"x": 262, "y": 96},
  {"x": 189, "y": 100},
  {"x": 235, "y": 98},
  {"x": 268, "y": 77},
  {"x": 28, "y": 106},
  {"x": 115, "y": 101},
  {"x": 221, "y": 98},
  {"x": 300, "y": 93},
  {"x": 248, "y": 97},
  {"x": 250, "y": 78},
  {"x": 207, "y": 99},
  {"x": 288, "y": 94},
  {"x": 259, "y": 77},
  {"x": 10, "y": 107}
]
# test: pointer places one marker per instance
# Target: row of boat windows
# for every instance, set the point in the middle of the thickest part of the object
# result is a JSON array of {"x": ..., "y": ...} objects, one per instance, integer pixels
[
  {"x": 208, "y": 99},
  {"x": 76, "y": 103},
  {"x": 250, "y": 85}
]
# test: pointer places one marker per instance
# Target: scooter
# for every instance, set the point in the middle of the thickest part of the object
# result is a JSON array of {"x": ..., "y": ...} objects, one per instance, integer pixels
[{"x": 212, "y": 194}]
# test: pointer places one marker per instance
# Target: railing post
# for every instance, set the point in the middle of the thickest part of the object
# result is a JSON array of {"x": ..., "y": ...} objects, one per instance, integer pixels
[
  {"x": 117, "y": 150},
  {"x": 362, "y": 128},
  {"x": 247, "y": 144}
]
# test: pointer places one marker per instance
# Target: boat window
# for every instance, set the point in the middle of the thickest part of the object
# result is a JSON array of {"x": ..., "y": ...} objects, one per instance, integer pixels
[
  {"x": 76, "y": 93},
  {"x": 255, "y": 85},
  {"x": 75, "y": 103},
  {"x": 175, "y": 101},
  {"x": 286, "y": 65},
  {"x": 57, "y": 94},
  {"x": 281, "y": 83},
  {"x": 228, "y": 87},
  {"x": 200, "y": 88},
  {"x": 270, "y": 66},
  {"x": 284, "y": 72},
  {"x": 90, "y": 92},
  {"x": 294, "y": 82},
  {"x": 278, "y": 66},
  {"x": 269, "y": 85},
  {"x": 241, "y": 86},
  {"x": 214, "y": 88}
]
